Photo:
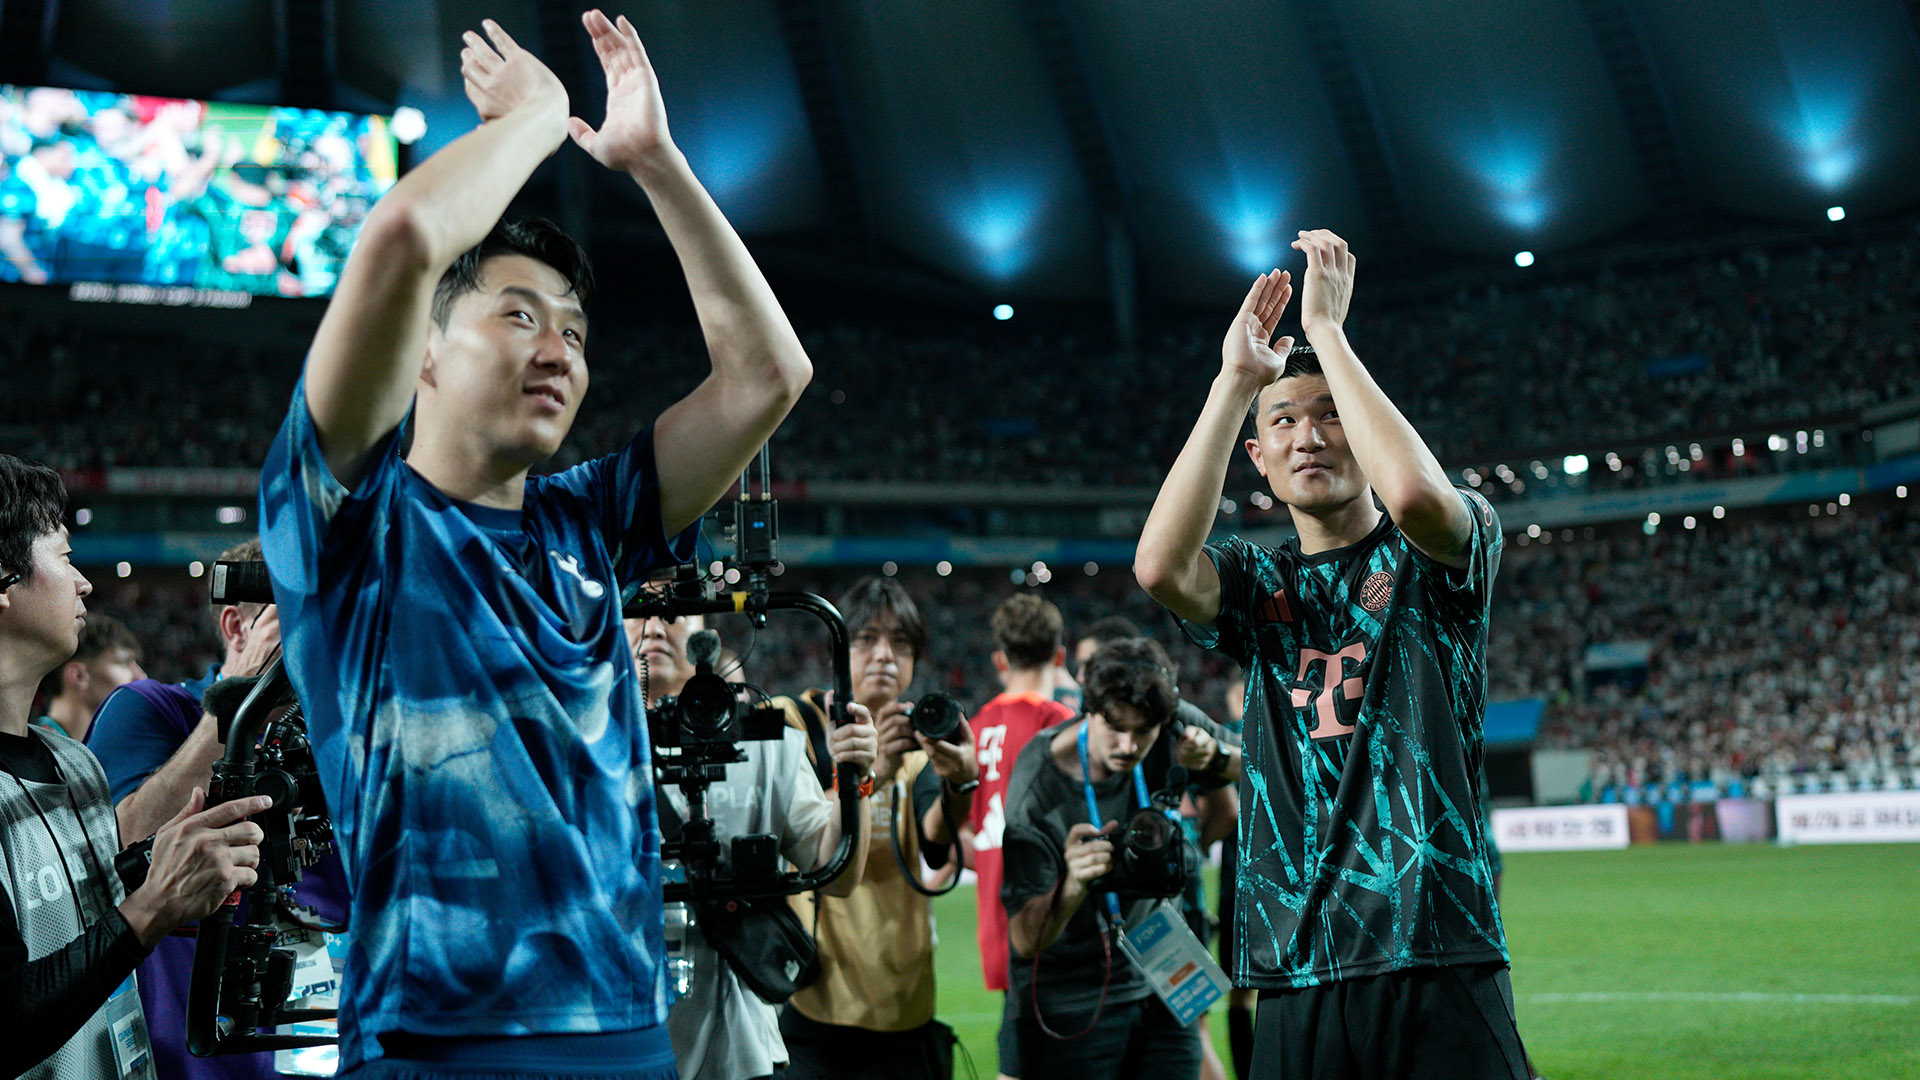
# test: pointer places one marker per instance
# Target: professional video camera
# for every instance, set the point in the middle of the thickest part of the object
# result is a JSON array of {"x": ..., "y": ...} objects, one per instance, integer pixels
[
  {"x": 243, "y": 973},
  {"x": 1151, "y": 856},
  {"x": 697, "y": 733}
]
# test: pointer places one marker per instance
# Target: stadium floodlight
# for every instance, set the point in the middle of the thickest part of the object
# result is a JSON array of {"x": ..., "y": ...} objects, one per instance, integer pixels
[
  {"x": 1777, "y": 443},
  {"x": 943, "y": 568},
  {"x": 1653, "y": 519},
  {"x": 230, "y": 515},
  {"x": 408, "y": 125},
  {"x": 1613, "y": 461},
  {"x": 1689, "y": 522},
  {"x": 196, "y": 568},
  {"x": 889, "y": 568},
  {"x": 1846, "y": 499},
  {"x": 1575, "y": 464},
  {"x": 1003, "y": 312},
  {"x": 1719, "y": 512},
  {"x": 1739, "y": 448},
  {"x": 1836, "y": 213},
  {"x": 83, "y": 516},
  {"x": 1900, "y": 492},
  {"x": 1533, "y": 531},
  {"x": 1523, "y": 259},
  {"x": 124, "y": 569},
  {"x": 1091, "y": 568}
]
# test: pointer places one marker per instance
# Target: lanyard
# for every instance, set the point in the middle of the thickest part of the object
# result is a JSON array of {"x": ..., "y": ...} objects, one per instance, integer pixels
[{"x": 1093, "y": 804}]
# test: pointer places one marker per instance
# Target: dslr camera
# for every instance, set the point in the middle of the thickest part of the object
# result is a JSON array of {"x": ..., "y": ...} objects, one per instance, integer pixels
[{"x": 1151, "y": 856}]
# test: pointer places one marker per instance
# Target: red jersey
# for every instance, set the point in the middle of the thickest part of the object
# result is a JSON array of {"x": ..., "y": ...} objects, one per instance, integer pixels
[{"x": 1000, "y": 730}]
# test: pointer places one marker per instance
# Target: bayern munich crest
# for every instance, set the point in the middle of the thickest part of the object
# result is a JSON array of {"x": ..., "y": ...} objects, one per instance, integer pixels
[{"x": 1377, "y": 591}]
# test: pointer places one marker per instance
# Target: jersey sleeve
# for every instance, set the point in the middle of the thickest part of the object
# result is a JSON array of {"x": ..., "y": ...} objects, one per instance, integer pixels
[
  {"x": 621, "y": 492},
  {"x": 314, "y": 530},
  {"x": 132, "y": 737},
  {"x": 1231, "y": 632},
  {"x": 1472, "y": 584}
]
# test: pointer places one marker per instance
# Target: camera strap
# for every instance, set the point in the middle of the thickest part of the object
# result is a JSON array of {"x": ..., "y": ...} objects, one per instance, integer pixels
[{"x": 1093, "y": 803}]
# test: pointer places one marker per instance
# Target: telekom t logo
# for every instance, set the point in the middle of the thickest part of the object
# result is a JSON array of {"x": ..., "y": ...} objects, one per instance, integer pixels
[{"x": 1326, "y": 724}]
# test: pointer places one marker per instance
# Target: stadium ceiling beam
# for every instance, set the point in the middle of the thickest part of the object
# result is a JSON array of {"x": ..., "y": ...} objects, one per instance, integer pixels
[
  {"x": 1622, "y": 48},
  {"x": 803, "y": 24},
  {"x": 1051, "y": 29},
  {"x": 1376, "y": 180},
  {"x": 307, "y": 41},
  {"x": 26, "y": 39}
]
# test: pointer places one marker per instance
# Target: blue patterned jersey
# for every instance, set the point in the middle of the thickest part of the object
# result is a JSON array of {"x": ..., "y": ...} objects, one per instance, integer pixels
[
  {"x": 1362, "y": 845},
  {"x": 480, "y": 737}
]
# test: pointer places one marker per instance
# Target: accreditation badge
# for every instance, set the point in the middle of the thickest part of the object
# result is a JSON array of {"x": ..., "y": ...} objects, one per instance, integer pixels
[
  {"x": 1164, "y": 950},
  {"x": 127, "y": 1027}
]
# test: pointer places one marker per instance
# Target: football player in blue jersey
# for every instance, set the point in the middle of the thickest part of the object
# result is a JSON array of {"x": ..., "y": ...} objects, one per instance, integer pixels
[
  {"x": 1365, "y": 913},
  {"x": 452, "y": 624}
]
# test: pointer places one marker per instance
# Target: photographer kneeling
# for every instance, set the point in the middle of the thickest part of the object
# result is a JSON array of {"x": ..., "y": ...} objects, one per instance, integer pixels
[
  {"x": 719, "y": 1028},
  {"x": 1083, "y": 1008}
]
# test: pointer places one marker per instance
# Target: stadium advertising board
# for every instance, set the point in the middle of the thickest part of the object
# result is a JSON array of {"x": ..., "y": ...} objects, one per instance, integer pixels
[
  {"x": 168, "y": 201},
  {"x": 1561, "y": 828},
  {"x": 1867, "y": 817}
]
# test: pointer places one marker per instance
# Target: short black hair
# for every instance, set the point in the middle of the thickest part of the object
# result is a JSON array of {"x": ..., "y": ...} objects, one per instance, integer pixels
[
  {"x": 870, "y": 597},
  {"x": 1028, "y": 628},
  {"x": 33, "y": 503},
  {"x": 1301, "y": 360},
  {"x": 1134, "y": 672},
  {"x": 1110, "y": 629},
  {"x": 536, "y": 238}
]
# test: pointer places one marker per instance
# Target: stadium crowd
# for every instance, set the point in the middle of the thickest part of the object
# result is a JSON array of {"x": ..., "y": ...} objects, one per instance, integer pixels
[{"x": 1614, "y": 362}]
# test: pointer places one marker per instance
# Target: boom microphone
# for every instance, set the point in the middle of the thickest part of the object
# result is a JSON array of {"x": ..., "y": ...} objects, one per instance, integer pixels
[{"x": 703, "y": 649}]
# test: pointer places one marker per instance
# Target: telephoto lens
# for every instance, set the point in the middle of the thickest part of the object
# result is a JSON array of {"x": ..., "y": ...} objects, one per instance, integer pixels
[{"x": 939, "y": 716}]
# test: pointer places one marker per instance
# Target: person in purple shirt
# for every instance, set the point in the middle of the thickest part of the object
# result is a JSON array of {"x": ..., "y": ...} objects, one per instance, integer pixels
[{"x": 157, "y": 744}]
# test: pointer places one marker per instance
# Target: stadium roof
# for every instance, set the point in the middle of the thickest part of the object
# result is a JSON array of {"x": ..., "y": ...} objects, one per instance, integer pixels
[{"x": 1049, "y": 149}]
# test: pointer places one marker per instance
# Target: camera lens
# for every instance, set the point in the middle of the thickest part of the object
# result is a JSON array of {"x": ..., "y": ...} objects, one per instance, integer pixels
[
  {"x": 706, "y": 710},
  {"x": 1148, "y": 833},
  {"x": 938, "y": 716}
]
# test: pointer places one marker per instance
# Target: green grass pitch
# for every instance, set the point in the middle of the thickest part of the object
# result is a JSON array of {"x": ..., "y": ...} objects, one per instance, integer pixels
[{"x": 1677, "y": 962}]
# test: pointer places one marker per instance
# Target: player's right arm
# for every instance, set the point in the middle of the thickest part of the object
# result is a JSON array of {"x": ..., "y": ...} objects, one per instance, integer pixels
[
  {"x": 1171, "y": 561},
  {"x": 372, "y": 341}
]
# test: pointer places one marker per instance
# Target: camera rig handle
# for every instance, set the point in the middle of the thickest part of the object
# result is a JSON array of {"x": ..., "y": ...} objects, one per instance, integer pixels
[
  {"x": 226, "y": 1002},
  {"x": 758, "y": 602}
]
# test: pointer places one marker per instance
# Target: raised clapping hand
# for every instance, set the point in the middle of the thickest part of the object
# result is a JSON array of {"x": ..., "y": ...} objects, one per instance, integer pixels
[
  {"x": 199, "y": 858},
  {"x": 501, "y": 77},
  {"x": 855, "y": 742},
  {"x": 636, "y": 124},
  {"x": 1328, "y": 288},
  {"x": 1245, "y": 351}
]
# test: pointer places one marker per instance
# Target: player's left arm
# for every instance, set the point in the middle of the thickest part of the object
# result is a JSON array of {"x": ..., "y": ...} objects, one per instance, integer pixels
[
  {"x": 1404, "y": 473},
  {"x": 703, "y": 441}
]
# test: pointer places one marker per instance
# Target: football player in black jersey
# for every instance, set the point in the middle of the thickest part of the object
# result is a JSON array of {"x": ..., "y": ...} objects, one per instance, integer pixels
[{"x": 1365, "y": 909}]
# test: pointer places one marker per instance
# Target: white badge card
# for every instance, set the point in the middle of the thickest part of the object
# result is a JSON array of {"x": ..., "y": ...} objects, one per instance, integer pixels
[
  {"x": 1163, "y": 948},
  {"x": 127, "y": 1027}
]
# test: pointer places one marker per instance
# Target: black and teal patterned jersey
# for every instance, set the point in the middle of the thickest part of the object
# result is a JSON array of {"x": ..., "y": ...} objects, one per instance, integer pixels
[{"x": 1362, "y": 844}]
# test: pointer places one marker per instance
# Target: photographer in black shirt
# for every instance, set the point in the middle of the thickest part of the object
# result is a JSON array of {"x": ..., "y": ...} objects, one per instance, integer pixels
[{"x": 1070, "y": 882}]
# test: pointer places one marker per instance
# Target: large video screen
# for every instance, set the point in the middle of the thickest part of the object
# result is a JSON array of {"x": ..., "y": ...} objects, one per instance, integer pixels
[{"x": 121, "y": 189}]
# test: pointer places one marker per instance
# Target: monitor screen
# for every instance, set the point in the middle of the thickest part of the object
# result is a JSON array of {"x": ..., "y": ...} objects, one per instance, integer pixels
[{"x": 119, "y": 189}]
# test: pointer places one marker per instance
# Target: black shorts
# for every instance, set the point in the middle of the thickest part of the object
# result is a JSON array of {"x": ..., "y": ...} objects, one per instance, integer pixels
[
  {"x": 1435, "y": 1023},
  {"x": 820, "y": 1050},
  {"x": 1134, "y": 1039}
]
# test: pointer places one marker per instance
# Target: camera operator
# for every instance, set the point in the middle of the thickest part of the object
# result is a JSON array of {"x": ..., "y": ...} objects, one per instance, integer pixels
[
  {"x": 720, "y": 1029},
  {"x": 156, "y": 742},
  {"x": 1058, "y": 866},
  {"x": 871, "y": 1012},
  {"x": 70, "y": 932}
]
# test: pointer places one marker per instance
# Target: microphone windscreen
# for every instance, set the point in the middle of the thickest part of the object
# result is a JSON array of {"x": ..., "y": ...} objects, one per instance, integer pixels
[{"x": 703, "y": 649}]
